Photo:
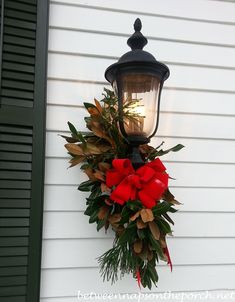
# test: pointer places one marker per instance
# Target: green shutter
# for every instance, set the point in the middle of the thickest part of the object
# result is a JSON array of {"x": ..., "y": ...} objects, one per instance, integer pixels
[{"x": 23, "y": 53}]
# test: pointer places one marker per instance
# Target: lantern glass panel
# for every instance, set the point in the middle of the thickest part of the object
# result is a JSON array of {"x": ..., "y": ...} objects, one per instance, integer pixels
[{"x": 139, "y": 96}]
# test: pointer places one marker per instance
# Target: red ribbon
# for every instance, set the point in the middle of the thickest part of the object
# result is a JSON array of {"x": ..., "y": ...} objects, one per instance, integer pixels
[
  {"x": 168, "y": 257},
  {"x": 138, "y": 278},
  {"x": 146, "y": 184}
]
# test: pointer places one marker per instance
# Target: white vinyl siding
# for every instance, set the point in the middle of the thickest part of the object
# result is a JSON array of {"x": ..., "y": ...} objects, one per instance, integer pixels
[{"x": 196, "y": 39}]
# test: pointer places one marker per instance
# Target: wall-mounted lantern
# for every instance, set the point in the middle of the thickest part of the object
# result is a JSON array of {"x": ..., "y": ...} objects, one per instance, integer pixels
[{"x": 137, "y": 79}]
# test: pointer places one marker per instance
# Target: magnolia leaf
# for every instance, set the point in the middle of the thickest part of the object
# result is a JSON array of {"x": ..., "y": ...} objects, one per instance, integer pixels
[
  {"x": 89, "y": 106},
  {"x": 150, "y": 255},
  {"x": 163, "y": 242},
  {"x": 86, "y": 186},
  {"x": 93, "y": 111},
  {"x": 135, "y": 216},
  {"x": 100, "y": 224},
  {"x": 70, "y": 139},
  {"x": 167, "y": 217},
  {"x": 99, "y": 175},
  {"x": 156, "y": 246},
  {"x": 140, "y": 224},
  {"x": 144, "y": 254},
  {"x": 98, "y": 106},
  {"x": 146, "y": 215},
  {"x": 170, "y": 197},
  {"x": 92, "y": 149},
  {"x": 154, "y": 230},
  {"x": 102, "y": 134},
  {"x": 103, "y": 212},
  {"x": 104, "y": 166},
  {"x": 76, "y": 160},
  {"x": 164, "y": 226},
  {"x": 138, "y": 245},
  {"x": 119, "y": 230},
  {"x": 72, "y": 129},
  {"x": 176, "y": 202},
  {"x": 173, "y": 149},
  {"x": 103, "y": 148},
  {"x": 74, "y": 149},
  {"x": 90, "y": 173},
  {"x": 114, "y": 218}
]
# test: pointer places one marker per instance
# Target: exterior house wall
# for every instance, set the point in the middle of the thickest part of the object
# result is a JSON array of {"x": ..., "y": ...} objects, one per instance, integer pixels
[{"x": 196, "y": 40}]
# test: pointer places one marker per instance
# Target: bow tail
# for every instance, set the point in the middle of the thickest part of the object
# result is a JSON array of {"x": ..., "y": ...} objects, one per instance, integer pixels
[{"x": 168, "y": 257}]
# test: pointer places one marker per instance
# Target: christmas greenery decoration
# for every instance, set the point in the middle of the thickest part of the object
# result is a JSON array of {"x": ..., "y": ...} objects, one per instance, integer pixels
[{"x": 135, "y": 204}]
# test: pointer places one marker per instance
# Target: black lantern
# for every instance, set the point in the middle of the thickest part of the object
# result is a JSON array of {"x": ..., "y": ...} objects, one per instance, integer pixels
[{"x": 137, "y": 79}]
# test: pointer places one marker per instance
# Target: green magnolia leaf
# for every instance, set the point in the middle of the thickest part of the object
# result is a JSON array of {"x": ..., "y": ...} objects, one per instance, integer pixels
[
  {"x": 155, "y": 153},
  {"x": 72, "y": 129},
  {"x": 86, "y": 186},
  {"x": 161, "y": 208},
  {"x": 156, "y": 246},
  {"x": 89, "y": 105},
  {"x": 70, "y": 139},
  {"x": 173, "y": 149},
  {"x": 172, "y": 210},
  {"x": 163, "y": 225},
  {"x": 93, "y": 217},
  {"x": 81, "y": 138},
  {"x": 152, "y": 272},
  {"x": 100, "y": 224},
  {"x": 168, "y": 218}
]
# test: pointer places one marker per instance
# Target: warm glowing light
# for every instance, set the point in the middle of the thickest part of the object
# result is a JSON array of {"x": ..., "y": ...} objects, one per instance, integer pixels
[{"x": 139, "y": 97}]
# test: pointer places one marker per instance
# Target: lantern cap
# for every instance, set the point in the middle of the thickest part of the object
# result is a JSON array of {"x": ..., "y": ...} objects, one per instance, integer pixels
[{"x": 137, "y": 60}]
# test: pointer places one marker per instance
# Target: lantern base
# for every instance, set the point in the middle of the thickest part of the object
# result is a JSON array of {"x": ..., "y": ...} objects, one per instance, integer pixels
[{"x": 134, "y": 153}]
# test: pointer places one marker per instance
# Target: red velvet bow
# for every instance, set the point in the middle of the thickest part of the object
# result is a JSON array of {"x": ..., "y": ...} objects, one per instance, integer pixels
[{"x": 147, "y": 183}]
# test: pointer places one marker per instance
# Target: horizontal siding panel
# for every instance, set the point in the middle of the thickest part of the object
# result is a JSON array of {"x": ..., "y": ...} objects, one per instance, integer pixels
[
  {"x": 76, "y": 42},
  {"x": 185, "y": 278},
  {"x": 68, "y": 198},
  {"x": 196, "y": 150},
  {"x": 75, "y": 225},
  {"x": 116, "y": 22},
  {"x": 92, "y": 69},
  {"x": 171, "y": 124},
  {"x": 75, "y": 93},
  {"x": 84, "y": 253},
  {"x": 214, "y": 11},
  {"x": 186, "y": 174}
]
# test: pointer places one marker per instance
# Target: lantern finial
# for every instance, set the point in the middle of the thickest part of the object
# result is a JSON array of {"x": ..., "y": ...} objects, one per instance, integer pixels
[
  {"x": 137, "y": 40},
  {"x": 138, "y": 25}
]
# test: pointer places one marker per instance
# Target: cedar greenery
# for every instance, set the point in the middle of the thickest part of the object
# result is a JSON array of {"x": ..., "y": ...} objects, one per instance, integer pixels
[{"x": 140, "y": 233}]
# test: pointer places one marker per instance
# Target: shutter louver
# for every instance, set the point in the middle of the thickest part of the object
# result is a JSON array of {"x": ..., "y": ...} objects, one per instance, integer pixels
[
  {"x": 18, "y": 53},
  {"x": 23, "y": 53}
]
